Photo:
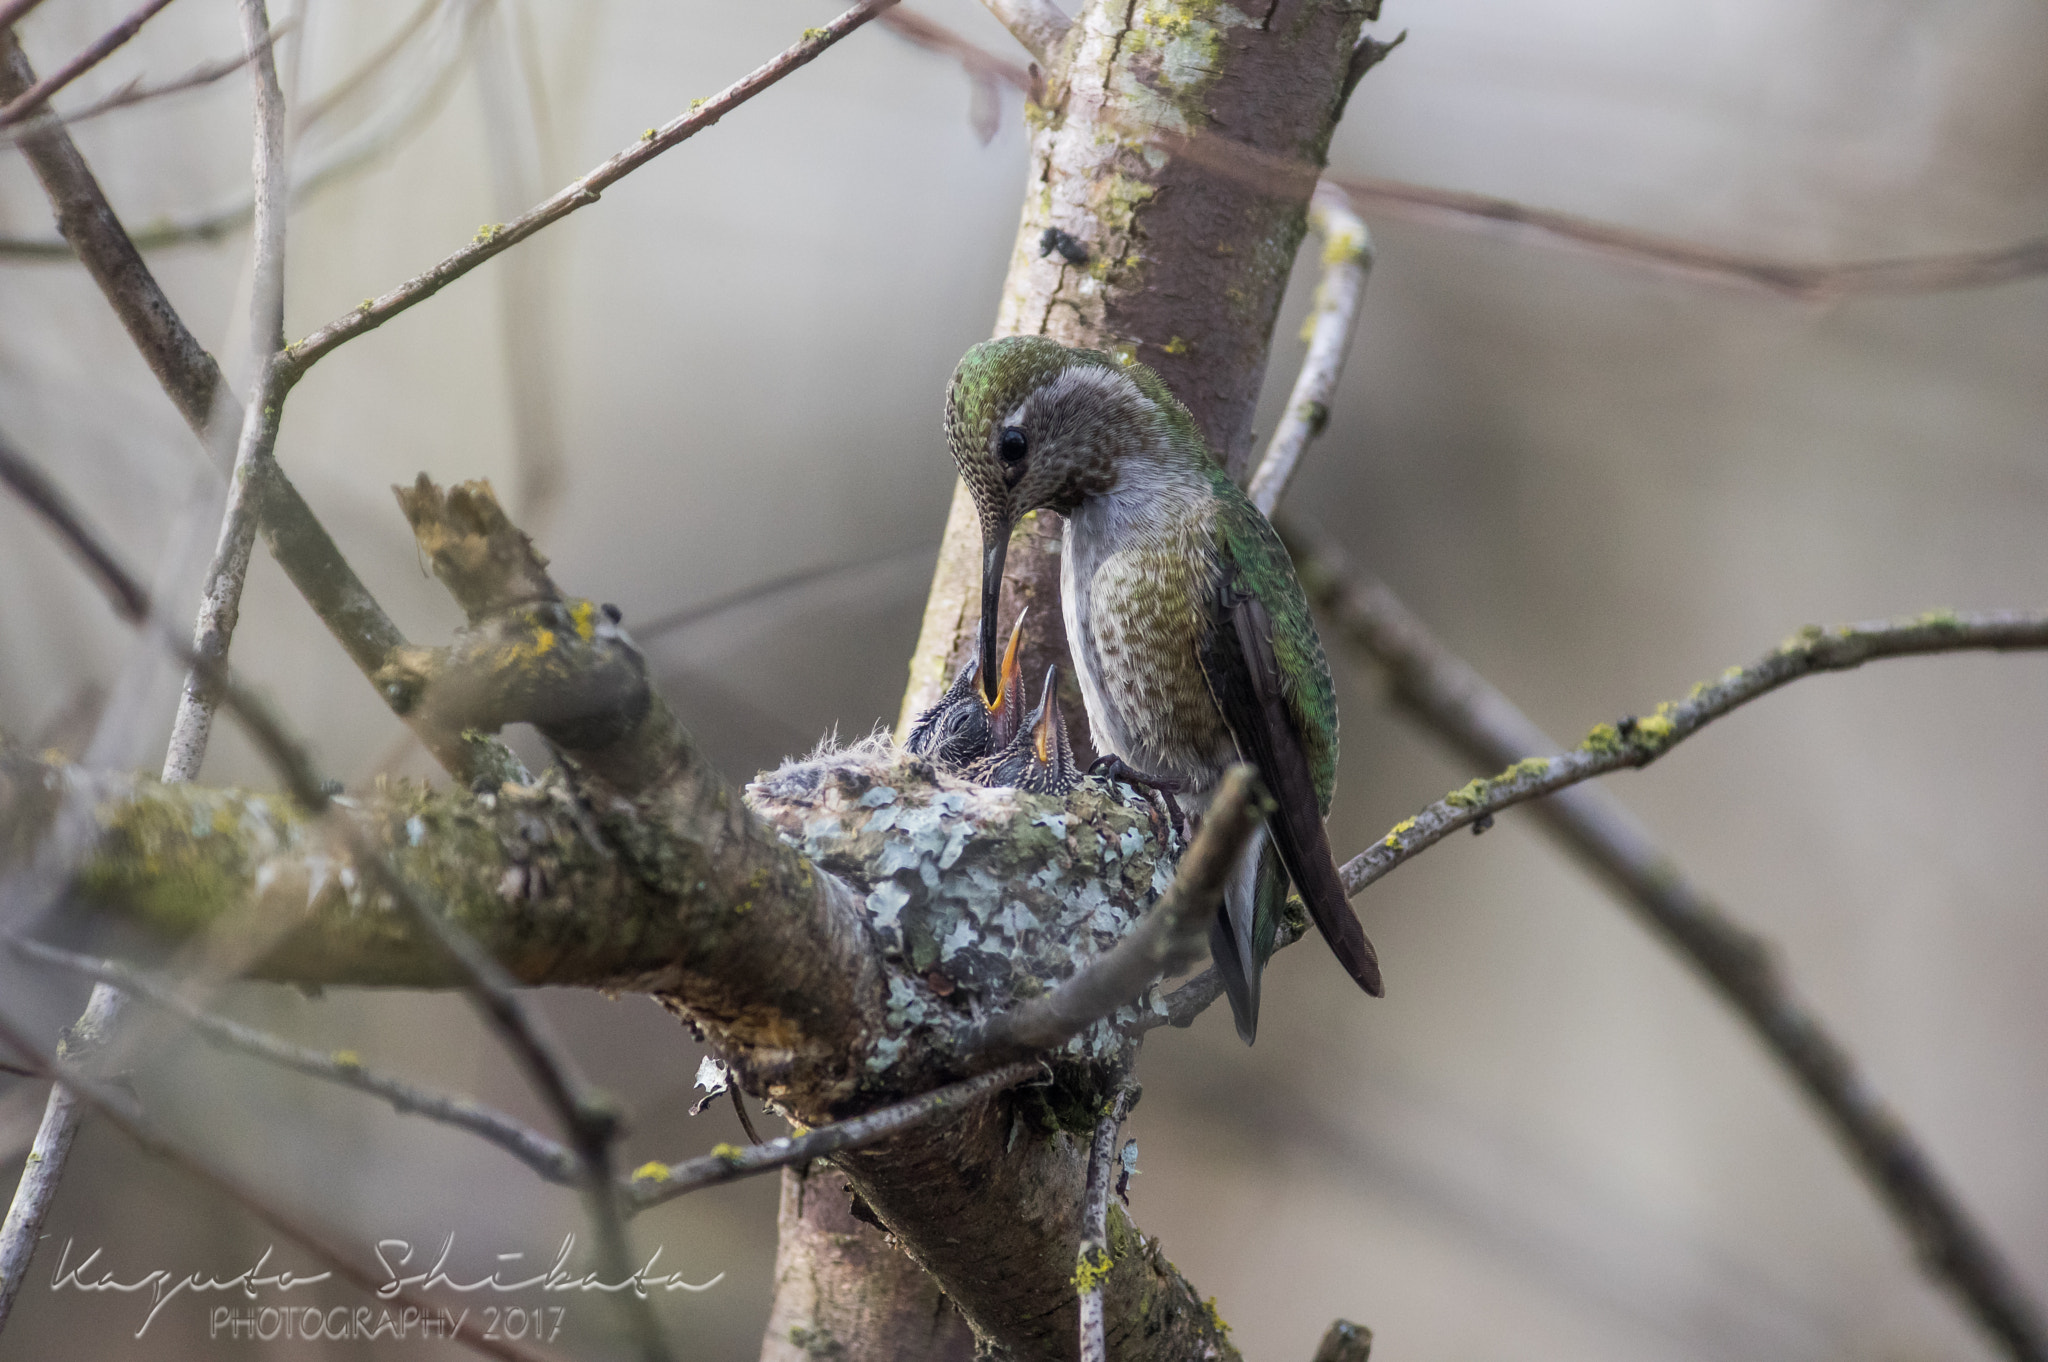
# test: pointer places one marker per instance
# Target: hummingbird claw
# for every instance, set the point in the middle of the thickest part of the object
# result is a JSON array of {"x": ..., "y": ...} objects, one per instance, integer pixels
[{"x": 1110, "y": 766}]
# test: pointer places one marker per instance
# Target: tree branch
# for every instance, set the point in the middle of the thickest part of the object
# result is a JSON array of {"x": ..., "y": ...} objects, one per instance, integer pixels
[
  {"x": 221, "y": 600},
  {"x": 591, "y": 1124},
  {"x": 1092, "y": 1262},
  {"x": 121, "y": 1110},
  {"x": 28, "y": 102},
  {"x": 194, "y": 383},
  {"x": 1637, "y": 742},
  {"x": 654, "y": 1183},
  {"x": 1456, "y": 703},
  {"x": 1794, "y": 279},
  {"x": 1172, "y": 936},
  {"x": 1040, "y": 25},
  {"x": 135, "y": 92},
  {"x": 544, "y": 1156},
  {"x": 1347, "y": 261},
  {"x": 496, "y": 239}
]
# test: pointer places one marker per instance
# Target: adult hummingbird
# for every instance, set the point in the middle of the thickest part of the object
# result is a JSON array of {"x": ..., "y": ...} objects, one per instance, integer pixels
[
  {"x": 1190, "y": 634},
  {"x": 965, "y": 726}
]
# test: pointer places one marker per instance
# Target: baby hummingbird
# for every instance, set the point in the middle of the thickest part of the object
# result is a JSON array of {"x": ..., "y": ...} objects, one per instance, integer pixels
[{"x": 1191, "y": 637}]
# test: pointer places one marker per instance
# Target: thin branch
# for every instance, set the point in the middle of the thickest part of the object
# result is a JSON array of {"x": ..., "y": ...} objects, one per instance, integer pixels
[
  {"x": 318, "y": 107},
  {"x": 123, "y": 1113},
  {"x": 419, "y": 98},
  {"x": 1347, "y": 260},
  {"x": 220, "y": 604},
  {"x": 1040, "y": 25},
  {"x": 1795, "y": 279},
  {"x": 689, "y": 616},
  {"x": 496, "y": 239},
  {"x": 1170, "y": 937},
  {"x": 591, "y": 1124},
  {"x": 1092, "y": 1262},
  {"x": 22, "y": 1230},
  {"x": 655, "y": 1183},
  {"x": 1460, "y": 706},
  {"x": 26, "y": 104},
  {"x": 135, "y": 92},
  {"x": 194, "y": 383},
  {"x": 1637, "y": 742},
  {"x": 14, "y": 11},
  {"x": 544, "y": 1156}
]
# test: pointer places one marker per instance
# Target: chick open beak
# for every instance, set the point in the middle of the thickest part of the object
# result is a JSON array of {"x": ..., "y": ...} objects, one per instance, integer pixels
[
  {"x": 1004, "y": 710},
  {"x": 1046, "y": 733}
]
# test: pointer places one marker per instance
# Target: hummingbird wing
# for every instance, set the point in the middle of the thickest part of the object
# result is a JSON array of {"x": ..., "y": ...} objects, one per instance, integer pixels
[{"x": 1238, "y": 658}]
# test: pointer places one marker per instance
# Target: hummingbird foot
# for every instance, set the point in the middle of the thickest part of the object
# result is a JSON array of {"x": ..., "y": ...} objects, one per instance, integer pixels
[{"x": 1110, "y": 766}]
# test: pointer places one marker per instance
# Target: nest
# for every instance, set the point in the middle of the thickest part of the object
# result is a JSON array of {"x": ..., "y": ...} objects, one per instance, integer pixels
[{"x": 979, "y": 896}]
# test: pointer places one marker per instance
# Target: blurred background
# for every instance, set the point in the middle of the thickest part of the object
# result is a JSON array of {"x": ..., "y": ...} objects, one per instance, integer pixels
[{"x": 1599, "y": 482}]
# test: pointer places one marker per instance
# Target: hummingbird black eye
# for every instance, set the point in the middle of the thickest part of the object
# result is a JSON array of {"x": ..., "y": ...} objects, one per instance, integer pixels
[{"x": 1013, "y": 446}]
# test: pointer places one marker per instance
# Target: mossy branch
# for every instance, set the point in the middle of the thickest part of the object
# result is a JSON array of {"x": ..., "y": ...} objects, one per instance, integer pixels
[{"x": 1635, "y": 742}]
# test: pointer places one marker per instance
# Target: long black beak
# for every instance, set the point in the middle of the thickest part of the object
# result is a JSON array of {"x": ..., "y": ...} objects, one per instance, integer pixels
[{"x": 994, "y": 550}]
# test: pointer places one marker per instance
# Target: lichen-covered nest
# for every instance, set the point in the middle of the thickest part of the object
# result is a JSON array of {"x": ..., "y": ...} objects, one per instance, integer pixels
[{"x": 979, "y": 896}]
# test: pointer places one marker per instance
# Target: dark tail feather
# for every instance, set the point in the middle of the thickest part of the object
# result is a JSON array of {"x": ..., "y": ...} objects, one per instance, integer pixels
[
  {"x": 1241, "y": 988},
  {"x": 1315, "y": 875}
]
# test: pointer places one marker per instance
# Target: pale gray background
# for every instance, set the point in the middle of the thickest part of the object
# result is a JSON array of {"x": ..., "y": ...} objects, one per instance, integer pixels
[{"x": 1600, "y": 483}]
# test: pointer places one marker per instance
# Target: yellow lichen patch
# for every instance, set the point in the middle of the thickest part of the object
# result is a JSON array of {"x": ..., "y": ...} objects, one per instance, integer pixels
[
  {"x": 1216, "y": 1320},
  {"x": 1467, "y": 797},
  {"x": 651, "y": 1171},
  {"x": 584, "y": 615},
  {"x": 1090, "y": 1269},
  {"x": 1401, "y": 829},
  {"x": 1528, "y": 767},
  {"x": 729, "y": 1152},
  {"x": 1343, "y": 248},
  {"x": 347, "y": 1059},
  {"x": 1657, "y": 727},
  {"x": 1604, "y": 739}
]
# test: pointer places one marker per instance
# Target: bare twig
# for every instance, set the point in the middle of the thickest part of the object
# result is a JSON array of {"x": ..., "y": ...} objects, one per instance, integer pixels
[
  {"x": 318, "y": 107},
  {"x": 193, "y": 381},
  {"x": 1038, "y": 24},
  {"x": 1171, "y": 936},
  {"x": 526, "y": 283},
  {"x": 689, "y": 616},
  {"x": 498, "y": 238},
  {"x": 1637, "y": 742},
  {"x": 418, "y": 98},
  {"x": 123, "y": 1113},
  {"x": 135, "y": 92},
  {"x": 986, "y": 72},
  {"x": 1460, "y": 706},
  {"x": 27, "y": 103},
  {"x": 591, "y": 1124},
  {"x": 655, "y": 1183},
  {"x": 1347, "y": 260},
  {"x": 14, "y": 11},
  {"x": 1796, "y": 279},
  {"x": 1092, "y": 1262},
  {"x": 221, "y": 601},
  {"x": 22, "y": 1230},
  {"x": 544, "y": 1156}
]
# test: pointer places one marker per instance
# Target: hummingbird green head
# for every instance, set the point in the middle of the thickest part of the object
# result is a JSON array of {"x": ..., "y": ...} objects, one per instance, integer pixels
[{"x": 1034, "y": 424}]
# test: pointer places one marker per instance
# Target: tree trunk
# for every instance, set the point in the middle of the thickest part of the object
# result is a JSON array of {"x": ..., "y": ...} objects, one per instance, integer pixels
[{"x": 1188, "y": 248}]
